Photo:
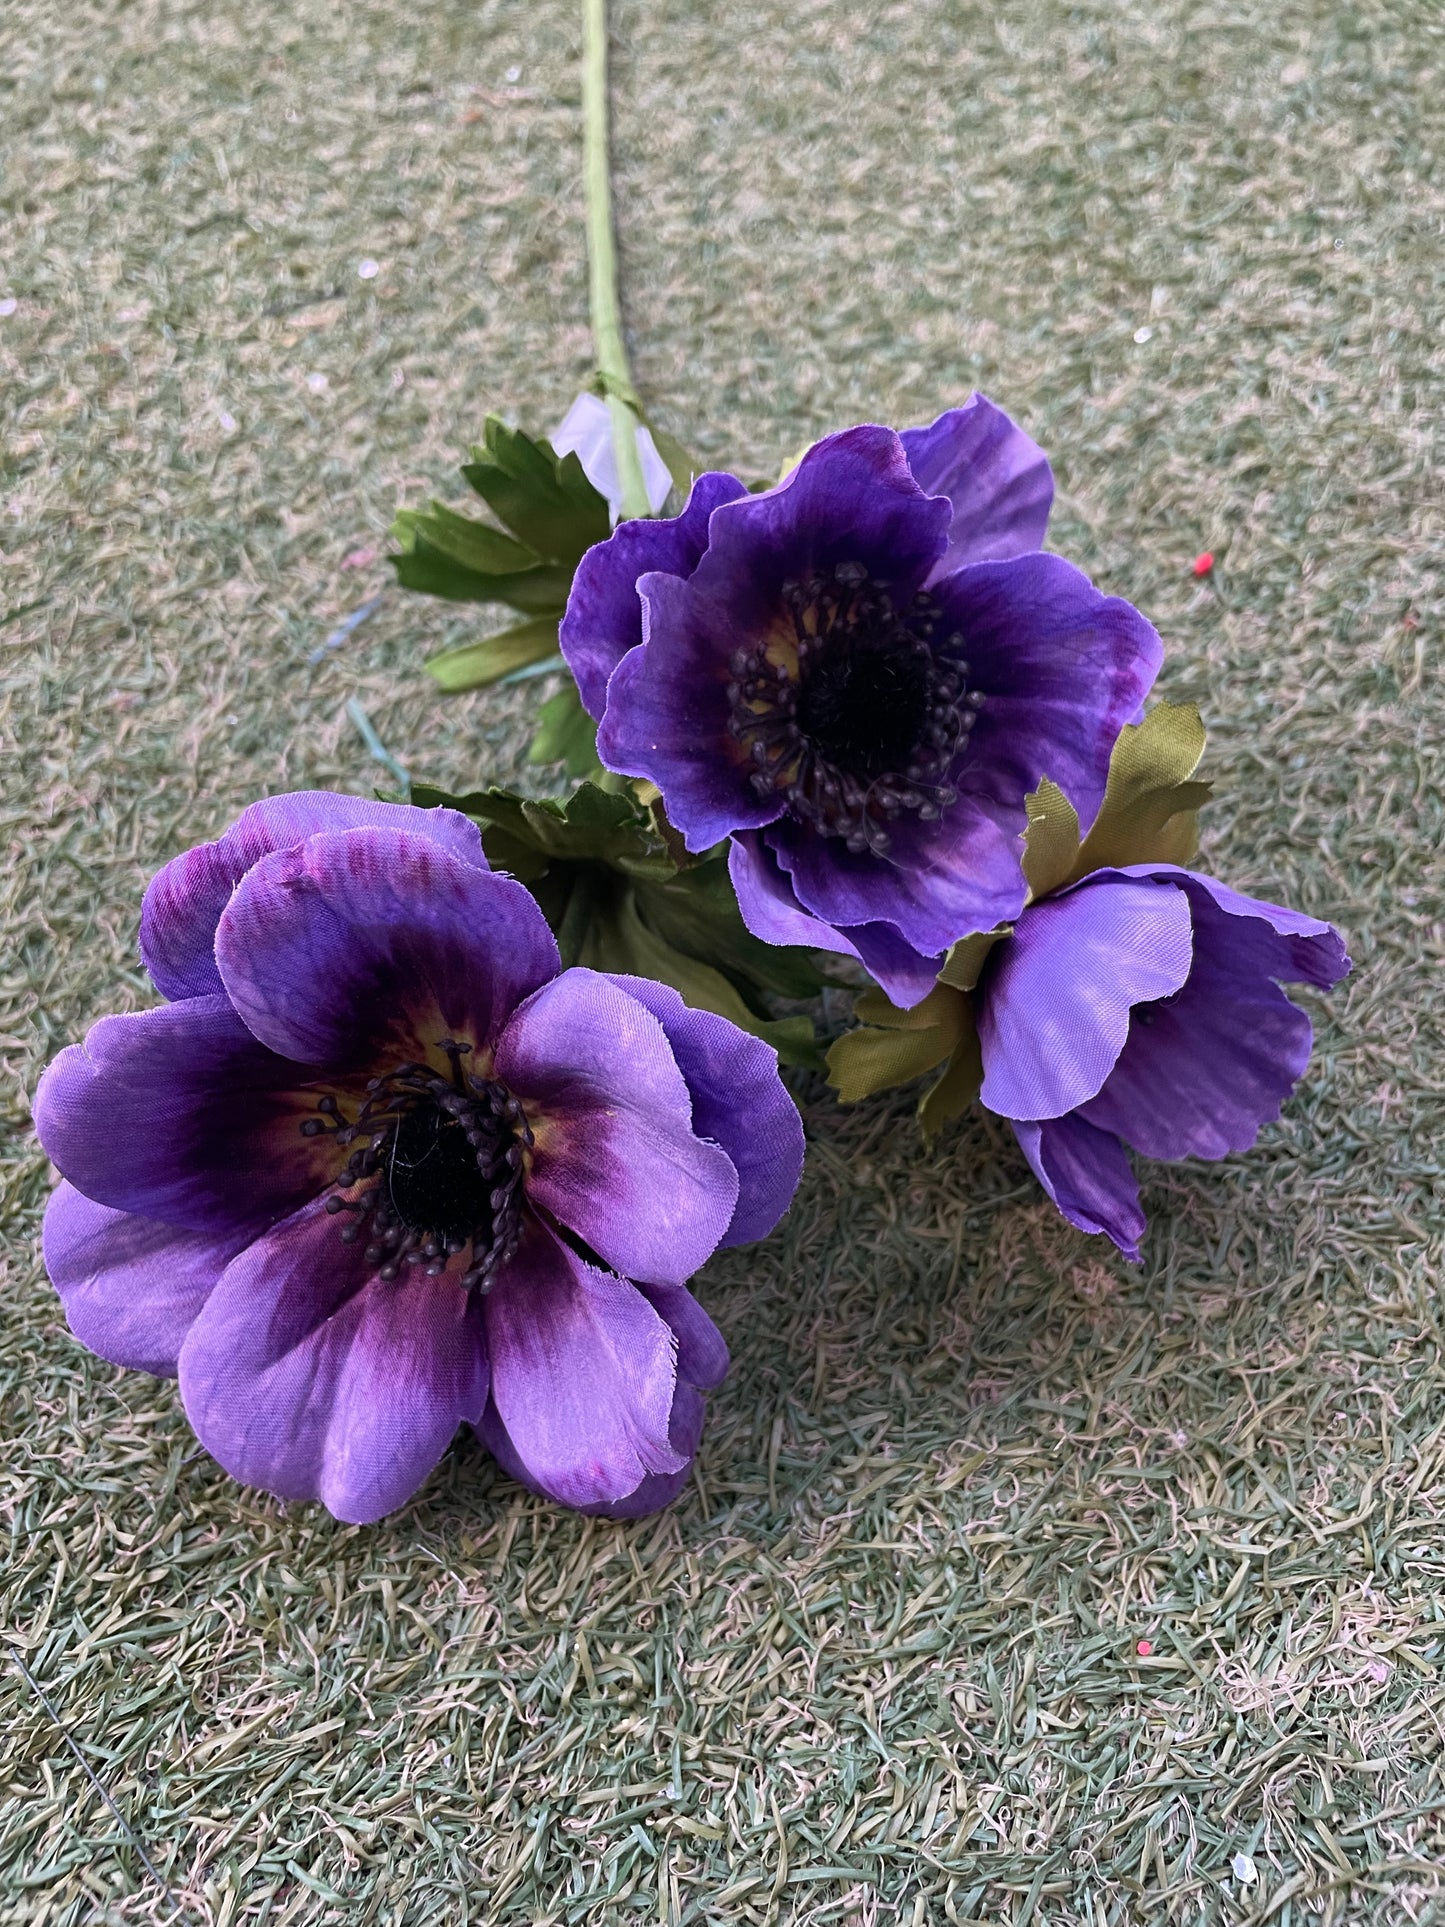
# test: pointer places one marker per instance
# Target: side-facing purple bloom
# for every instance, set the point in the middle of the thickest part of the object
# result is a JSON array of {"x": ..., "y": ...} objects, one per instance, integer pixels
[
  {"x": 1141, "y": 1008},
  {"x": 857, "y": 677},
  {"x": 384, "y": 1169}
]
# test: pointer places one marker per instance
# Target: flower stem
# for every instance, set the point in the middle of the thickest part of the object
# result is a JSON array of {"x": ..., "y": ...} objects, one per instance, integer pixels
[{"x": 602, "y": 262}]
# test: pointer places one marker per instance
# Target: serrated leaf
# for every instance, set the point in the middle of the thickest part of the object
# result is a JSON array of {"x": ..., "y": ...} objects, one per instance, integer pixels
[
  {"x": 476, "y": 545},
  {"x": 591, "y": 825},
  {"x": 566, "y": 734},
  {"x": 891, "y": 1046},
  {"x": 544, "y": 499},
  {"x": 540, "y": 591},
  {"x": 472, "y": 665}
]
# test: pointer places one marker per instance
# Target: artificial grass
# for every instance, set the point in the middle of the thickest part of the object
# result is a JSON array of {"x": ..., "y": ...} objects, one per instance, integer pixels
[{"x": 883, "y": 1662}]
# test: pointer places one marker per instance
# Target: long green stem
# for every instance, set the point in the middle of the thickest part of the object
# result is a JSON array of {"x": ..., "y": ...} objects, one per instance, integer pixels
[{"x": 602, "y": 261}]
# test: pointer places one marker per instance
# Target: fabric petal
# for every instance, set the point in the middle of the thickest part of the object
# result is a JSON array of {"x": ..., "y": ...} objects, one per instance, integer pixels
[
  {"x": 658, "y": 1489},
  {"x": 582, "y": 1374},
  {"x": 616, "y": 1159},
  {"x": 586, "y": 431},
  {"x": 1061, "y": 669},
  {"x": 702, "y": 1353},
  {"x": 1054, "y": 1008},
  {"x": 1205, "y": 1070},
  {"x": 604, "y": 611},
  {"x": 1087, "y": 1174},
  {"x": 180, "y": 1114},
  {"x": 995, "y": 476},
  {"x": 131, "y": 1287},
  {"x": 738, "y": 1101},
  {"x": 374, "y": 944},
  {"x": 667, "y": 718},
  {"x": 308, "y": 1375},
  {"x": 184, "y": 901}
]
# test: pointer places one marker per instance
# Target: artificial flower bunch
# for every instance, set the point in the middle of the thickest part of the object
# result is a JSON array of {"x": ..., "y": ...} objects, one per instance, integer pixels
[{"x": 451, "y": 1098}]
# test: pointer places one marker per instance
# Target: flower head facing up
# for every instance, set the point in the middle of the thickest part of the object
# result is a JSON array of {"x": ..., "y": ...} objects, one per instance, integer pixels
[
  {"x": 858, "y": 682},
  {"x": 398, "y": 1172},
  {"x": 1141, "y": 1008}
]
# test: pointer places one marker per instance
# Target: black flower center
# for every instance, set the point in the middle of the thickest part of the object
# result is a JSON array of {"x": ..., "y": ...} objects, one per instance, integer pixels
[
  {"x": 871, "y": 723},
  {"x": 438, "y": 1162}
]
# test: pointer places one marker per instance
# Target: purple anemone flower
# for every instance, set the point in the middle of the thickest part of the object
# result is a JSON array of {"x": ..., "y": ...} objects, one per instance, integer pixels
[
  {"x": 1141, "y": 1008},
  {"x": 383, "y": 1168},
  {"x": 857, "y": 677}
]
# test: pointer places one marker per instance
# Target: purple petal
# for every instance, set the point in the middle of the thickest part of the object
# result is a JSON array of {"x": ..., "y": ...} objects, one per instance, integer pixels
[
  {"x": 738, "y": 1101},
  {"x": 616, "y": 1160},
  {"x": 582, "y": 1374},
  {"x": 1087, "y": 1174},
  {"x": 180, "y": 1114},
  {"x": 942, "y": 881},
  {"x": 667, "y": 721},
  {"x": 373, "y": 944},
  {"x": 308, "y": 1375},
  {"x": 768, "y": 905},
  {"x": 997, "y": 479},
  {"x": 1061, "y": 669},
  {"x": 1202, "y": 1073},
  {"x": 684, "y": 1430},
  {"x": 586, "y": 430},
  {"x": 131, "y": 1287},
  {"x": 184, "y": 901},
  {"x": 604, "y": 612},
  {"x": 702, "y": 1353},
  {"x": 1054, "y": 1009}
]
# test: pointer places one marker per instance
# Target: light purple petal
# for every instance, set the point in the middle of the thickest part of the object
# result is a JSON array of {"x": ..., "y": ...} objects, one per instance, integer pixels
[
  {"x": 768, "y": 905},
  {"x": 308, "y": 1375},
  {"x": 657, "y": 1489},
  {"x": 738, "y": 1101},
  {"x": 1204, "y": 1071},
  {"x": 376, "y": 944},
  {"x": 180, "y": 1114},
  {"x": 1061, "y": 669},
  {"x": 616, "y": 1159},
  {"x": 1054, "y": 1007},
  {"x": 1087, "y": 1174},
  {"x": 582, "y": 1374},
  {"x": 996, "y": 477},
  {"x": 586, "y": 430},
  {"x": 702, "y": 1353},
  {"x": 184, "y": 901},
  {"x": 131, "y": 1287},
  {"x": 604, "y": 611}
]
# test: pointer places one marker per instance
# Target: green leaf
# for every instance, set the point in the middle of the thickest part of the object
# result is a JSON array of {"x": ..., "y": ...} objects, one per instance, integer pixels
[
  {"x": 963, "y": 966},
  {"x": 476, "y": 545},
  {"x": 591, "y": 825},
  {"x": 891, "y": 1046},
  {"x": 697, "y": 911},
  {"x": 1150, "y": 811},
  {"x": 959, "y": 1085},
  {"x": 540, "y": 591},
  {"x": 545, "y": 500},
  {"x": 566, "y": 734},
  {"x": 472, "y": 665}
]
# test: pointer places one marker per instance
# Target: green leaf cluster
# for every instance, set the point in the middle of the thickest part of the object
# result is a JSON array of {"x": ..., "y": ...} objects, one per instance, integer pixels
[
  {"x": 1150, "y": 814},
  {"x": 622, "y": 894},
  {"x": 547, "y": 516}
]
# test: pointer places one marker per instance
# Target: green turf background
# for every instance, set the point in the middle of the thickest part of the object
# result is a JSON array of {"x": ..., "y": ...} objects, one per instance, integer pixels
[{"x": 881, "y": 1663}]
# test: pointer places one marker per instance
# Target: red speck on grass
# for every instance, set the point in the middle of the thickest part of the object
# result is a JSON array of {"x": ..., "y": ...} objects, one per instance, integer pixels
[
  {"x": 1144, "y": 1648},
  {"x": 1203, "y": 563}
]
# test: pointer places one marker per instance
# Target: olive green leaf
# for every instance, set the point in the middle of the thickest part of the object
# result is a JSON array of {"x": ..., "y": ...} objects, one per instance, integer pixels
[
  {"x": 565, "y": 734},
  {"x": 472, "y": 665},
  {"x": 892, "y": 1046},
  {"x": 950, "y": 1096},
  {"x": 963, "y": 966},
  {"x": 1150, "y": 812}
]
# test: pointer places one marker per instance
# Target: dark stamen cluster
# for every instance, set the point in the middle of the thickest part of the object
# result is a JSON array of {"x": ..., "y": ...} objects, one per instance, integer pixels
[
  {"x": 442, "y": 1163},
  {"x": 869, "y": 728}
]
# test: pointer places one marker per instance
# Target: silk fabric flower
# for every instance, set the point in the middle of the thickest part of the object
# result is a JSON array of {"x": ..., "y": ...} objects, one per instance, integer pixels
[
  {"x": 381, "y": 1168},
  {"x": 1141, "y": 1008},
  {"x": 857, "y": 677}
]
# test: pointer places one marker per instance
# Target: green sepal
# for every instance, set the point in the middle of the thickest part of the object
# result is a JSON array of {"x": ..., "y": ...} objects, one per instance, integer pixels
[
  {"x": 544, "y": 498},
  {"x": 891, "y": 1046},
  {"x": 565, "y": 734},
  {"x": 1150, "y": 811},
  {"x": 472, "y": 665}
]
